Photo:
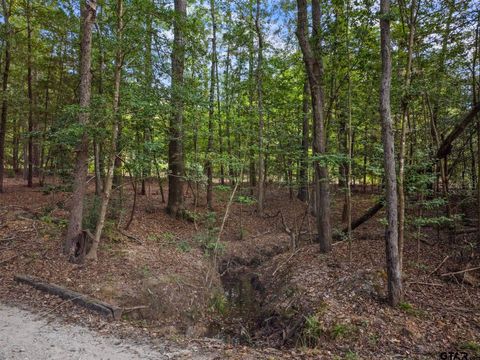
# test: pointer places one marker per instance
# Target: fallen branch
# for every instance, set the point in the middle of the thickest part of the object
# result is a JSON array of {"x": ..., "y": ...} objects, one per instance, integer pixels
[
  {"x": 286, "y": 261},
  {"x": 461, "y": 271},
  {"x": 423, "y": 283},
  {"x": 362, "y": 219},
  {"x": 438, "y": 267},
  {"x": 75, "y": 297},
  {"x": 446, "y": 146},
  {"x": 131, "y": 237}
]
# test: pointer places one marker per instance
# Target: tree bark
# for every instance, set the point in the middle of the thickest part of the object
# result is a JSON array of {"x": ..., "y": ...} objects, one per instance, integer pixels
[
  {"x": 81, "y": 168},
  {"x": 395, "y": 292},
  {"x": 92, "y": 254},
  {"x": 303, "y": 171},
  {"x": 211, "y": 109},
  {"x": 314, "y": 68},
  {"x": 403, "y": 136},
  {"x": 30, "y": 95},
  {"x": 6, "y": 72},
  {"x": 261, "y": 155},
  {"x": 175, "y": 205}
]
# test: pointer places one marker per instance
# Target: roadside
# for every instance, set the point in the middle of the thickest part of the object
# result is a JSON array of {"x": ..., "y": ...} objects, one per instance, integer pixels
[{"x": 24, "y": 335}]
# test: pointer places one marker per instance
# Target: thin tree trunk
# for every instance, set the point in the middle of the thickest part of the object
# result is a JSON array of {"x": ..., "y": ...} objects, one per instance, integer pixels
[
  {"x": 394, "y": 279},
  {"x": 98, "y": 168},
  {"x": 314, "y": 67},
  {"x": 175, "y": 204},
  {"x": 227, "y": 113},
  {"x": 303, "y": 173},
  {"x": 81, "y": 168},
  {"x": 30, "y": 96},
  {"x": 476, "y": 55},
  {"x": 92, "y": 254},
  {"x": 348, "y": 175},
  {"x": 261, "y": 158},
  {"x": 6, "y": 72},
  {"x": 211, "y": 109},
  {"x": 403, "y": 137}
]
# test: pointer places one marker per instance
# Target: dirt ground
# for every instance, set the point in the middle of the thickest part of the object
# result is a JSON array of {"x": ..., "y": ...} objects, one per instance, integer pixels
[{"x": 297, "y": 303}]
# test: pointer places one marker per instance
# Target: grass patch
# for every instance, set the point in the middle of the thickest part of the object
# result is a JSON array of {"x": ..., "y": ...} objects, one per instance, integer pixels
[
  {"x": 410, "y": 310},
  {"x": 472, "y": 346}
]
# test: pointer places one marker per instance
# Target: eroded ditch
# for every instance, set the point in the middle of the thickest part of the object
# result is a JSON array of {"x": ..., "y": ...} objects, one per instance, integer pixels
[{"x": 247, "y": 318}]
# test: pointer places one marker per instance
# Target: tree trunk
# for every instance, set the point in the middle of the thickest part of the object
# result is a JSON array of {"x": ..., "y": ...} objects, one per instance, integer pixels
[
  {"x": 303, "y": 173},
  {"x": 6, "y": 72},
  {"x": 92, "y": 254},
  {"x": 314, "y": 67},
  {"x": 81, "y": 168},
  {"x": 30, "y": 95},
  {"x": 211, "y": 109},
  {"x": 175, "y": 204},
  {"x": 476, "y": 55},
  {"x": 394, "y": 279},
  {"x": 261, "y": 159},
  {"x": 403, "y": 136}
]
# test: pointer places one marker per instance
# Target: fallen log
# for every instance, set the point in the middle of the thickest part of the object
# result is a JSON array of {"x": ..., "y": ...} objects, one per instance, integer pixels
[
  {"x": 364, "y": 218},
  {"x": 73, "y": 296}
]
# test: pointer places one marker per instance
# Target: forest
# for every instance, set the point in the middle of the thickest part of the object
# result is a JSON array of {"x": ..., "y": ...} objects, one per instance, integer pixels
[{"x": 246, "y": 179}]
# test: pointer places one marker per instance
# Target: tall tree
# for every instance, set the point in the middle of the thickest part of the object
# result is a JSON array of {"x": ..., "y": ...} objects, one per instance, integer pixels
[
  {"x": 391, "y": 232},
  {"x": 7, "y": 10},
  {"x": 88, "y": 13},
  {"x": 411, "y": 22},
  {"x": 30, "y": 93},
  {"x": 261, "y": 154},
  {"x": 312, "y": 57},
  {"x": 107, "y": 189},
  {"x": 211, "y": 108},
  {"x": 176, "y": 166},
  {"x": 303, "y": 171}
]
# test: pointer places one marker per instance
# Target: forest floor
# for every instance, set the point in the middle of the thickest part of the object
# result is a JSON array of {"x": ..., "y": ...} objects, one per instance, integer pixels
[{"x": 258, "y": 298}]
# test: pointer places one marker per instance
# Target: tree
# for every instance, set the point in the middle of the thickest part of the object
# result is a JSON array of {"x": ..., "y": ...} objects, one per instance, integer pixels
[
  {"x": 88, "y": 14},
  {"x": 261, "y": 155},
  {"x": 107, "y": 189},
  {"x": 176, "y": 166},
  {"x": 412, "y": 20},
  {"x": 312, "y": 57},
  {"x": 391, "y": 232},
  {"x": 7, "y": 11},
  {"x": 211, "y": 108},
  {"x": 303, "y": 171}
]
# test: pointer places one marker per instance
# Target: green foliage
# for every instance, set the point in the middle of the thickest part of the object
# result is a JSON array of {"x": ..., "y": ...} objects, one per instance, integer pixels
[
  {"x": 312, "y": 331},
  {"x": 472, "y": 346},
  {"x": 340, "y": 330},
  {"x": 410, "y": 310},
  {"x": 219, "y": 303},
  {"x": 92, "y": 210},
  {"x": 246, "y": 200},
  {"x": 222, "y": 188},
  {"x": 351, "y": 355},
  {"x": 169, "y": 236},
  {"x": 145, "y": 271},
  {"x": 184, "y": 246},
  {"x": 208, "y": 238}
]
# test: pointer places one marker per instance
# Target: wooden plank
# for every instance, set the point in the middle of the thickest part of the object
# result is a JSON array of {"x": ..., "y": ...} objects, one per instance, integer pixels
[{"x": 75, "y": 297}]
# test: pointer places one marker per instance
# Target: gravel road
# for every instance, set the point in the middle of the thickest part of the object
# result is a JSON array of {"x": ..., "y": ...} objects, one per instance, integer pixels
[{"x": 24, "y": 335}]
